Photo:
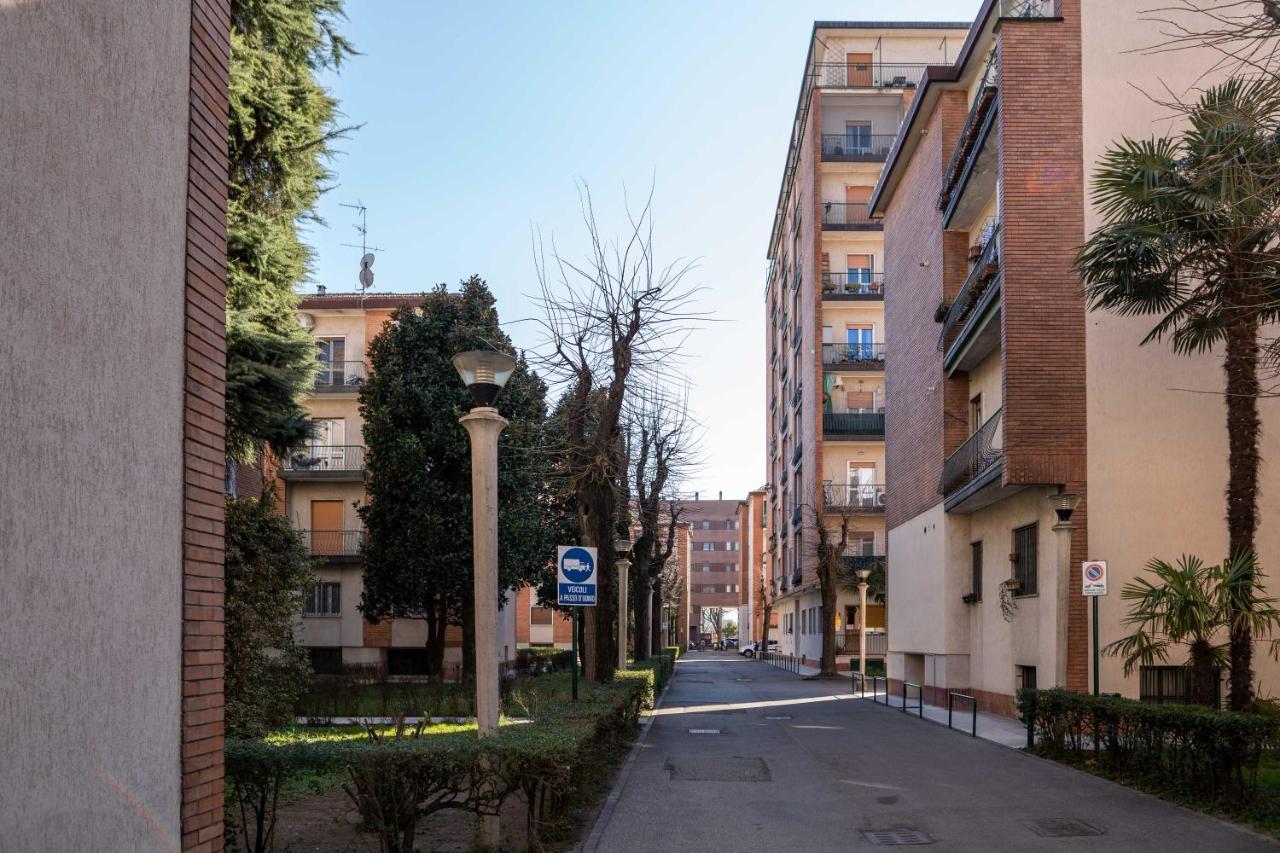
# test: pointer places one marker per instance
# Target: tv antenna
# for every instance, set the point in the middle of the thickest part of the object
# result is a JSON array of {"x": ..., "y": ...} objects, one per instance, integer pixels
[{"x": 366, "y": 251}]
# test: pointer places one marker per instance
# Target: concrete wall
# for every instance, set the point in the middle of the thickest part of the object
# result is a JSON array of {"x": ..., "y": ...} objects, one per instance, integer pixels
[{"x": 93, "y": 149}]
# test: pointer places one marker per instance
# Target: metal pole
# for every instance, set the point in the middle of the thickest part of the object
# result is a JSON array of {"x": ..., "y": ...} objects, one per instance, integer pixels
[
  {"x": 574, "y": 646},
  {"x": 1095, "y": 645},
  {"x": 624, "y": 567},
  {"x": 1063, "y": 594},
  {"x": 862, "y": 627}
]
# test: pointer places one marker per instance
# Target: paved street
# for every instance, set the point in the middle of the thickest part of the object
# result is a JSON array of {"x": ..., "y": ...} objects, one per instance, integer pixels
[{"x": 838, "y": 767}]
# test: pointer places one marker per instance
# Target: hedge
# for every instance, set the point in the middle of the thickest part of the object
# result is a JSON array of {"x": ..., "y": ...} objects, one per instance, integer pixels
[
  {"x": 396, "y": 778},
  {"x": 1192, "y": 749},
  {"x": 673, "y": 652}
]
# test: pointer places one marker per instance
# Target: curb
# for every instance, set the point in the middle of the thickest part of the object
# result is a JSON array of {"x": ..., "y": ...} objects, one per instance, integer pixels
[{"x": 606, "y": 811}]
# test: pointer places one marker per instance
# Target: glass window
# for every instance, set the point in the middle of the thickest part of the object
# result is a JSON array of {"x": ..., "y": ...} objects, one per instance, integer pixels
[
  {"x": 1024, "y": 559},
  {"x": 323, "y": 599}
]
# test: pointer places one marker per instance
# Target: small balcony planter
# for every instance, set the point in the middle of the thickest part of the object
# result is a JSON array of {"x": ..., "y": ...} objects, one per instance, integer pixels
[
  {"x": 975, "y": 252},
  {"x": 989, "y": 271},
  {"x": 940, "y": 313}
]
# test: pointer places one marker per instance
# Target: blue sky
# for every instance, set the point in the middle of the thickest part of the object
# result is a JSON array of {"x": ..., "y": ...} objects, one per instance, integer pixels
[{"x": 479, "y": 117}]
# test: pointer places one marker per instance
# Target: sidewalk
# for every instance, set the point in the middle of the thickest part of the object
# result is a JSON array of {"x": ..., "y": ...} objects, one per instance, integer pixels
[{"x": 1001, "y": 730}]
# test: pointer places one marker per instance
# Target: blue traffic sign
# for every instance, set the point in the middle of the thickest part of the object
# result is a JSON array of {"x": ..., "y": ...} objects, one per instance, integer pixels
[{"x": 575, "y": 576}]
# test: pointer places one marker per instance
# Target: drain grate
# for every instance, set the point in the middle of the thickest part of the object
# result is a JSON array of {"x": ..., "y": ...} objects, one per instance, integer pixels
[
  {"x": 895, "y": 837},
  {"x": 1062, "y": 827}
]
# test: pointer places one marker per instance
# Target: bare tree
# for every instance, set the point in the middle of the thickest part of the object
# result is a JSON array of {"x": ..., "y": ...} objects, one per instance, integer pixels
[
  {"x": 1244, "y": 33},
  {"x": 614, "y": 319},
  {"x": 833, "y": 527},
  {"x": 672, "y": 597},
  {"x": 766, "y": 608},
  {"x": 713, "y": 622}
]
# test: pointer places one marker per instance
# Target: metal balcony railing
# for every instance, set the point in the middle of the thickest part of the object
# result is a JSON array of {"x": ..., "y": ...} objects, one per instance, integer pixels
[
  {"x": 858, "y": 496},
  {"x": 847, "y": 215},
  {"x": 1029, "y": 9},
  {"x": 853, "y": 424},
  {"x": 979, "y": 452},
  {"x": 966, "y": 143},
  {"x": 333, "y": 543},
  {"x": 798, "y": 395},
  {"x": 848, "y": 642},
  {"x": 870, "y": 147},
  {"x": 853, "y": 284},
  {"x": 859, "y": 562},
  {"x": 797, "y": 455},
  {"x": 868, "y": 75},
  {"x": 864, "y": 356},
  {"x": 340, "y": 376},
  {"x": 325, "y": 457},
  {"x": 985, "y": 269}
]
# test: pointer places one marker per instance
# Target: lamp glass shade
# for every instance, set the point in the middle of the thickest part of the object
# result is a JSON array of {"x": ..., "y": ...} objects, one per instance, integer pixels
[
  {"x": 1064, "y": 504},
  {"x": 863, "y": 574},
  {"x": 622, "y": 546},
  {"x": 484, "y": 372}
]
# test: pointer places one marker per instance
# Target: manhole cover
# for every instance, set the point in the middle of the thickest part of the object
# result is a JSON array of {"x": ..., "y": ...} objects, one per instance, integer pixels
[
  {"x": 895, "y": 837},
  {"x": 1062, "y": 827},
  {"x": 704, "y": 731},
  {"x": 735, "y": 768}
]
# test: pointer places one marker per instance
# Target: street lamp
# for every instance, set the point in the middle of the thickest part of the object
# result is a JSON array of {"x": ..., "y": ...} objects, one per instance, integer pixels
[
  {"x": 862, "y": 574},
  {"x": 1064, "y": 504},
  {"x": 484, "y": 373},
  {"x": 622, "y": 548}
]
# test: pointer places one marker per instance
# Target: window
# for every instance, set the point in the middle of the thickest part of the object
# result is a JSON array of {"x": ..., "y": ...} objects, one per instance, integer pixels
[
  {"x": 861, "y": 342},
  {"x": 1027, "y": 677},
  {"x": 857, "y": 137},
  {"x": 326, "y": 661},
  {"x": 1024, "y": 559},
  {"x": 861, "y": 545},
  {"x": 323, "y": 599},
  {"x": 1166, "y": 684},
  {"x": 708, "y": 546},
  {"x": 540, "y": 615},
  {"x": 408, "y": 662},
  {"x": 975, "y": 414},
  {"x": 332, "y": 353},
  {"x": 706, "y": 567},
  {"x": 975, "y": 552},
  {"x": 706, "y": 525}
]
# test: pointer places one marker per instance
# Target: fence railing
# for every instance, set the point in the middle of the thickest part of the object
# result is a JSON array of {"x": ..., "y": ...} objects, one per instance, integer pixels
[
  {"x": 857, "y": 146},
  {"x": 325, "y": 457},
  {"x": 986, "y": 266},
  {"x": 869, "y": 356},
  {"x": 979, "y": 452},
  {"x": 853, "y": 424},
  {"x": 846, "y": 214},
  {"x": 864, "y": 496},
  {"x": 860, "y": 686},
  {"x": 868, "y": 75},
  {"x": 333, "y": 543},
  {"x": 973, "y": 704},
  {"x": 877, "y": 643},
  {"x": 341, "y": 376},
  {"x": 907, "y": 687},
  {"x": 789, "y": 663},
  {"x": 861, "y": 283}
]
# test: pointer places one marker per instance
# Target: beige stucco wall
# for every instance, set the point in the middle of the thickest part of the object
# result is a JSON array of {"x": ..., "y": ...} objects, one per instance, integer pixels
[
  {"x": 926, "y": 584},
  {"x": 1157, "y": 423},
  {"x": 93, "y": 150},
  {"x": 987, "y": 379}
]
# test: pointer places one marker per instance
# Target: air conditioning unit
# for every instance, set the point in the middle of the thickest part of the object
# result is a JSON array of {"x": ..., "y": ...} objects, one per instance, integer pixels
[{"x": 880, "y": 499}]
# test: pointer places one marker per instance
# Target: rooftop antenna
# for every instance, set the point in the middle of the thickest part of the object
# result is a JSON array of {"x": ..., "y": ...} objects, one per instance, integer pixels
[{"x": 366, "y": 251}]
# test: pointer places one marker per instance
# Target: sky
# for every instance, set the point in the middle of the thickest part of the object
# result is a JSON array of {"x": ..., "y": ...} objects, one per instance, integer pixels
[{"x": 477, "y": 121}]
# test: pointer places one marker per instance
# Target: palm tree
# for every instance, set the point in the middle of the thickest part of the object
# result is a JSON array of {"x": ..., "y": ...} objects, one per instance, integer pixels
[
  {"x": 1190, "y": 236},
  {"x": 1193, "y": 604}
]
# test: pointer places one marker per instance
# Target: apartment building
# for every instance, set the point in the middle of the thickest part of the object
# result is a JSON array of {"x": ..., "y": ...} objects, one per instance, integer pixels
[
  {"x": 715, "y": 567},
  {"x": 825, "y": 297},
  {"x": 323, "y": 483},
  {"x": 1005, "y": 392},
  {"x": 752, "y": 522}
]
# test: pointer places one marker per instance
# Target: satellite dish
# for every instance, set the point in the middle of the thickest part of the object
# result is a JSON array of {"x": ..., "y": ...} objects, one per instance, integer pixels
[
  {"x": 306, "y": 321},
  {"x": 366, "y": 261},
  {"x": 366, "y": 277}
]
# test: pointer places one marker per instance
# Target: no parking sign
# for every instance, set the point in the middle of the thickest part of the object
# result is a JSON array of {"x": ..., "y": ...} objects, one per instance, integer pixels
[{"x": 1093, "y": 577}]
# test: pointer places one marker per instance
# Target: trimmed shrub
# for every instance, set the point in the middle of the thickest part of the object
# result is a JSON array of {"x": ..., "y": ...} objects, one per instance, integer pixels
[
  {"x": 1189, "y": 748},
  {"x": 672, "y": 652}
]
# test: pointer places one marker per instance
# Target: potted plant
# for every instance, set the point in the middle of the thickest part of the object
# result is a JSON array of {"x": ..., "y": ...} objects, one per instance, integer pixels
[
  {"x": 940, "y": 313},
  {"x": 975, "y": 251}
]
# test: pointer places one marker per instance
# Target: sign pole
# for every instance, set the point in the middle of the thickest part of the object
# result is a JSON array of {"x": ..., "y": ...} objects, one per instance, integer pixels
[
  {"x": 1093, "y": 583},
  {"x": 574, "y": 646},
  {"x": 1095, "y": 645}
]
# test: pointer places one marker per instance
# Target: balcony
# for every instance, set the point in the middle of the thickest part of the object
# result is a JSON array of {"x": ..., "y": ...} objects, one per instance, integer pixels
[
  {"x": 848, "y": 216},
  {"x": 868, "y": 75},
  {"x": 336, "y": 546},
  {"x": 853, "y": 356},
  {"x": 854, "y": 286},
  {"x": 971, "y": 142},
  {"x": 854, "y": 563},
  {"x": 976, "y": 463},
  {"x": 853, "y": 426},
  {"x": 1029, "y": 9},
  {"x": 849, "y": 642},
  {"x": 965, "y": 330},
  {"x": 324, "y": 462},
  {"x": 798, "y": 395},
  {"x": 856, "y": 147},
  {"x": 336, "y": 377},
  {"x": 858, "y": 497}
]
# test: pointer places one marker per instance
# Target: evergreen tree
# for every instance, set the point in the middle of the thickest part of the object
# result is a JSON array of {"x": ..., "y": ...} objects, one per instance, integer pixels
[{"x": 418, "y": 554}]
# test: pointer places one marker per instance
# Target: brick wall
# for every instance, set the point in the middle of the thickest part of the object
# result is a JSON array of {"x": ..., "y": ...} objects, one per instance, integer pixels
[
  {"x": 204, "y": 449},
  {"x": 1040, "y": 126}
]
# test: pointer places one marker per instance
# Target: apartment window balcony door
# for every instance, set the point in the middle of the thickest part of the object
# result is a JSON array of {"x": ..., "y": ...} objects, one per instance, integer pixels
[
  {"x": 332, "y": 353},
  {"x": 329, "y": 442},
  {"x": 861, "y": 340},
  {"x": 860, "y": 273},
  {"x": 862, "y": 483},
  {"x": 857, "y": 135}
]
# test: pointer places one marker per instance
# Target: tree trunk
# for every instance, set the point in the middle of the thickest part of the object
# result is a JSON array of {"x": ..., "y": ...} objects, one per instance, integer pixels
[
  {"x": 655, "y": 628},
  {"x": 1243, "y": 428},
  {"x": 764, "y": 627},
  {"x": 1204, "y": 681},
  {"x": 436, "y": 628},
  {"x": 827, "y": 583},
  {"x": 599, "y": 648}
]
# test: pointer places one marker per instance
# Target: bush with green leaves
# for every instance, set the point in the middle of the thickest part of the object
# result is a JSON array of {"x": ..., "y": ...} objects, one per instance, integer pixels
[{"x": 1186, "y": 748}]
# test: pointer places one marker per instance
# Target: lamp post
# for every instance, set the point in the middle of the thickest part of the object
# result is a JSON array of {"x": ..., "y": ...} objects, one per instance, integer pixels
[
  {"x": 622, "y": 548},
  {"x": 863, "y": 574},
  {"x": 484, "y": 373},
  {"x": 1064, "y": 504}
]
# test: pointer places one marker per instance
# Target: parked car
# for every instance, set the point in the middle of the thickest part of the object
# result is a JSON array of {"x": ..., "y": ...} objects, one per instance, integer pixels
[
  {"x": 731, "y": 642},
  {"x": 751, "y": 649}
]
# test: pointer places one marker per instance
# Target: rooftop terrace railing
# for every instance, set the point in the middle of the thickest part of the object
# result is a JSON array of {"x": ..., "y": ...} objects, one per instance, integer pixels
[
  {"x": 868, "y": 75},
  {"x": 847, "y": 215}
]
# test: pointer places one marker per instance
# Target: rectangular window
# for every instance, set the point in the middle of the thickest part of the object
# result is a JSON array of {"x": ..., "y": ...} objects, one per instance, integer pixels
[
  {"x": 708, "y": 546},
  {"x": 323, "y": 599},
  {"x": 1027, "y": 677},
  {"x": 326, "y": 661},
  {"x": 857, "y": 137},
  {"x": 408, "y": 662},
  {"x": 975, "y": 551},
  {"x": 540, "y": 615},
  {"x": 332, "y": 353},
  {"x": 975, "y": 414},
  {"x": 1024, "y": 559}
]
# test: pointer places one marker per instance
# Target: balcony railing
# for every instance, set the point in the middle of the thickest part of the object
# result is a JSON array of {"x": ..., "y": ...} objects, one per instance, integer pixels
[
  {"x": 854, "y": 356},
  {"x": 865, "y": 284},
  {"x": 967, "y": 142},
  {"x": 1029, "y": 9},
  {"x": 868, "y": 75},
  {"x": 848, "y": 643},
  {"x": 853, "y": 424},
  {"x": 858, "y": 496},
  {"x": 855, "y": 563},
  {"x": 319, "y": 458},
  {"x": 985, "y": 269},
  {"x": 857, "y": 147},
  {"x": 334, "y": 543},
  {"x": 340, "y": 376},
  {"x": 798, "y": 395},
  {"x": 847, "y": 216},
  {"x": 980, "y": 451}
]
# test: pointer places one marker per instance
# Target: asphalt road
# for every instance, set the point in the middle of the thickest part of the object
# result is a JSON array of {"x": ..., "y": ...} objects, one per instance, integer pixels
[{"x": 798, "y": 765}]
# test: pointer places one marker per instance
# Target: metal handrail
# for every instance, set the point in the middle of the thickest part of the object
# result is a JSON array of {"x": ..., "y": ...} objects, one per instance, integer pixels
[
  {"x": 858, "y": 355},
  {"x": 341, "y": 375},
  {"x": 866, "y": 496},
  {"x": 325, "y": 457},
  {"x": 952, "y": 696},
  {"x": 979, "y": 452},
  {"x": 853, "y": 284},
  {"x": 985, "y": 96},
  {"x": 1029, "y": 9},
  {"x": 839, "y": 214},
  {"x": 333, "y": 543},
  {"x": 985, "y": 269},
  {"x": 870, "y": 424},
  {"x": 868, "y": 75},
  {"x": 919, "y": 698},
  {"x": 857, "y": 146}
]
